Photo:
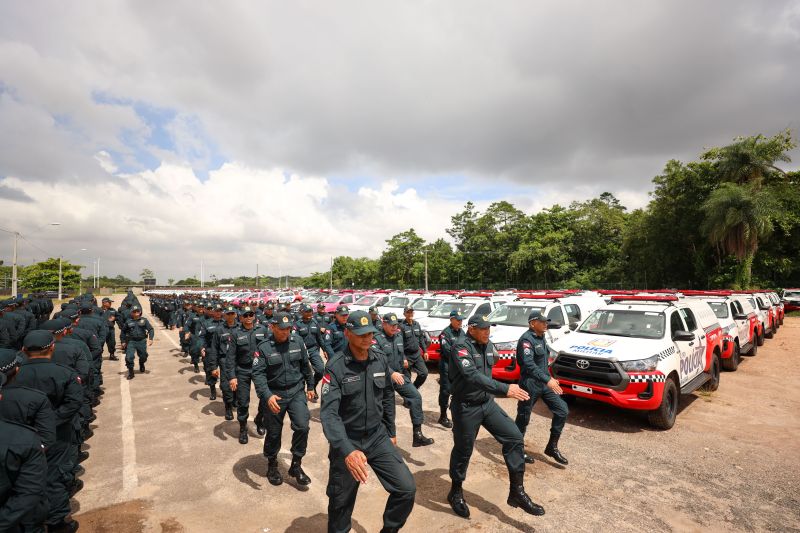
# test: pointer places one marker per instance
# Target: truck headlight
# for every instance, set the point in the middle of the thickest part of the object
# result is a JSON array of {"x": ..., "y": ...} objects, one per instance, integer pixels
[
  {"x": 640, "y": 365},
  {"x": 506, "y": 346},
  {"x": 551, "y": 356}
]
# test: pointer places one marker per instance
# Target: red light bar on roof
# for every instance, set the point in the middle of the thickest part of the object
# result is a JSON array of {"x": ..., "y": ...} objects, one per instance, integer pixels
[
  {"x": 476, "y": 294},
  {"x": 611, "y": 292},
  {"x": 706, "y": 293},
  {"x": 546, "y": 296},
  {"x": 643, "y": 298}
]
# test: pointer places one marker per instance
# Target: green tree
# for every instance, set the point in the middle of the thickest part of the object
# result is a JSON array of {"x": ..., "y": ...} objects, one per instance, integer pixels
[
  {"x": 401, "y": 258},
  {"x": 170, "y": 281},
  {"x": 43, "y": 276},
  {"x": 751, "y": 160},
  {"x": 737, "y": 218},
  {"x": 146, "y": 273}
]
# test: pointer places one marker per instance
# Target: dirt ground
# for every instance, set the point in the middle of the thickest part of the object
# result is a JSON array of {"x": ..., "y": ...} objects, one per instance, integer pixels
[{"x": 163, "y": 458}]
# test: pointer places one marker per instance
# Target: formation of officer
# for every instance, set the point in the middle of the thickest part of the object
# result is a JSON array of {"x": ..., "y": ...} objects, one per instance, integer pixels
[{"x": 415, "y": 347}]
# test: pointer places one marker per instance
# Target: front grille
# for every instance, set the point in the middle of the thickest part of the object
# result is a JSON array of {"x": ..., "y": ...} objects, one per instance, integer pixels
[{"x": 599, "y": 372}]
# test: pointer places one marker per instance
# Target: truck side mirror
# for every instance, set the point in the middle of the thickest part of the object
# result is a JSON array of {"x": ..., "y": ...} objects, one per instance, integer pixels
[{"x": 682, "y": 335}]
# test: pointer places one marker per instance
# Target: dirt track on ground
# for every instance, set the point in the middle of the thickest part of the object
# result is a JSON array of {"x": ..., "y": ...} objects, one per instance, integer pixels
[{"x": 163, "y": 458}]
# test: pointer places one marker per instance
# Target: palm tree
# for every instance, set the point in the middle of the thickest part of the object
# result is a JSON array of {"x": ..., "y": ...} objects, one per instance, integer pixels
[
  {"x": 751, "y": 159},
  {"x": 737, "y": 217}
]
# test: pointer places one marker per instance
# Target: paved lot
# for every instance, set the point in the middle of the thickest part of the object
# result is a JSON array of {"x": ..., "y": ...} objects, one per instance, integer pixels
[{"x": 163, "y": 458}]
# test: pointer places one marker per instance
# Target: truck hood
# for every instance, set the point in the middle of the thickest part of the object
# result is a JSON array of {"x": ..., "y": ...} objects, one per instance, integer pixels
[
  {"x": 610, "y": 347},
  {"x": 433, "y": 324}
]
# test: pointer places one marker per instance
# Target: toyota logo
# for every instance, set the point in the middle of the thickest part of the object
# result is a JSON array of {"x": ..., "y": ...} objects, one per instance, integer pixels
[{"x": 582, "y": 364}]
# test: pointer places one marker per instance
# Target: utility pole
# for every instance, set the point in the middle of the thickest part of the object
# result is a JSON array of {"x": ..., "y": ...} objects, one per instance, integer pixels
[
  {"x": 15, "y": 255},
  {"x": 258, "y": 284},
  {"x": 201, "y": 275},
  {"x": 60, "y": 277},
  {"x": 98, "y": 273},
  {"x": 14, "y": 268},
  {"x": 426, "y": 270}
]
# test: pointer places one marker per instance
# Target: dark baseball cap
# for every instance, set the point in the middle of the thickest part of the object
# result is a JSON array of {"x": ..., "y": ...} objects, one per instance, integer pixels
[
  {"x": 56, "y": 325},
  {"x": 408, "y": 308},
  {"x": 537, "y": 315},
  {"x": 216, "y": 307},
  {"x": 373, "y": 309},
  {"x": 38, "y": 340},
  {"x": 479, "y": 321},
  {"x": 282, "y": 320},
  {"x": 456, "y": 314},
  {"x": 270, "y": 305},
  {"x": 359, "y": 323},
  {"x": 247, "y": 310},
  {"x": 320, "y": 305},
  {"x": 107, "y": 300},
  {"x": 9, "y": 360},
  {"x": 391, "y": 319},
  {"x": 343, "y": 310},
  {"x": 135, "y": 308},
  {"x": 230, "y": 309},
  {"x": 305, "y": 308}
]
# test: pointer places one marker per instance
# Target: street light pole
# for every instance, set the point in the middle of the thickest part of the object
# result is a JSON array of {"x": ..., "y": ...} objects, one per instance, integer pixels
[
  {"x": 14, "y": 267},
  {"x": 426, "y": 270},
  {"x": 60, "y": 277}
]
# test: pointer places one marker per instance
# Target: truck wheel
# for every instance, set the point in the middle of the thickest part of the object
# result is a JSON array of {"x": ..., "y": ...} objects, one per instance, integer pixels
[
  {"x": 664, "y": 416},
  {"x": 732, "y": 362},
  {"x": 713, "y": 383},
  {"x": 754, "y": 350},
  {"x": 771, "y": 332},
  {"x": 760, "y": 338}
]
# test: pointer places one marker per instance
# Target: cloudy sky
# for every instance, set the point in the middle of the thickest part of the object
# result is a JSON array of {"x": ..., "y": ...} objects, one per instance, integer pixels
[{"x": 160, "y": 134}]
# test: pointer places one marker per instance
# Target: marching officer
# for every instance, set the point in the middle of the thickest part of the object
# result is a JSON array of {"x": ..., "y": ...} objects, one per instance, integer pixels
[
  {"x": 390, "y": 343},
  {"x": 335, "y": 336},
  {"x": 415, "y": 347},
  {"x": 23, "y": 469},
  {"x": 322, "y": 318},
  {"x": 246, "y": 339},
  {"x": 449, "y": 337},
  {"x": 194, "y": 327},
  {"x": 473, "y": 406},
  {"x": 284, "y": 380},
  {"x": 206, "y": 334},
  {"x": 109, "y": 314},
  {"x": 137, "y": 334},
  {"x": 312, "y": 334},
  {"x": 224, "y": 347},
  {"x": 357, "y": 417},
  {"x": 535, "y": 379},
  {"x": 375, "y": 317}
]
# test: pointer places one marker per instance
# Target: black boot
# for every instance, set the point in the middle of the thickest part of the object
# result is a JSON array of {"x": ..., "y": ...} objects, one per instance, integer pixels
[
  {"x": 64, "y": 527},
  {"x": 76, "y": 487},
  {"x": 82, "y": 456},
  {"x": 213, "y": 395},
  {"x": 141, "y": 367},
  {"x": 228, "y": 411},
  {"x": 112, "y": 357},
  {"x": 273, "y": 475},
  {"x": 457, "y": 502},
  {"x": 130, "y": 372},
  {"x": 443, "y": 420},
  {"x": 296, "y": 471},
  {"x": 243, "y": 433},
  {"x": 420, "y": 439},
  {"x": 552, "y": 450},
  {"x": 261, "y": 429},
  {"x": 517, "y": 497},
  {"x": 196, "y": 368},
  {"x": 528, "y": 459},
  {"x": 390, "y": 530}
]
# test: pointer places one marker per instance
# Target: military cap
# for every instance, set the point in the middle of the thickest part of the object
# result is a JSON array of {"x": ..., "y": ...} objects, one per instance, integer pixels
[
  {"x": 359, "y": 323},
  {"x": 55, "y": 326},
  {"x": 87, "y": 307},
  {"x": 269, "y": 305},
  {"x": 320, "y": 305},
  {"x": 456, "y": 314},
  {"x": 9, "y": 360},
  {"x": 305, "y": 308},
  {"x": 391, "y": 319},
  {"x": 537, "y": 315},
  {"x": 247, "y": 310},
  {"x": 407, "y": 309},
  {"x": 282, "y": 320},
  {"x": 136, "y": 308},
  {"x": 107, "y": 300},
  {"x": 373, "y": 309},
  {"x": 38, "y": 340},
  {"x": 342, "y": 310},
  {"x": 230, "y": 309},
  {"x": 70, "y": 314},
  {"x": 216, "y": 307},
  {"x": 479, "y": 321}
]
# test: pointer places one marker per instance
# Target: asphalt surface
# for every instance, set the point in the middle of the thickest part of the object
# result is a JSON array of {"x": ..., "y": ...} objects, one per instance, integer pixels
[{"x": 163, "y": 458}]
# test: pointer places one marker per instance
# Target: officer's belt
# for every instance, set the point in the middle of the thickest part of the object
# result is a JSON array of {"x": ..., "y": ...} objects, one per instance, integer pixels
[
  {"x": 472, "y": 403},
  {"x": 139, "y": 339},
  {"x": 291, "y": 391}
]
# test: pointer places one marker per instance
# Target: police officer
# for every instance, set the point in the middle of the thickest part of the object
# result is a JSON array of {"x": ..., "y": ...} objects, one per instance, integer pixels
[
  {"x": 415, "y": 347},
  {"x": 23, "y": 470},
  {"x": 449, "y": 337},
  {"x": 357, "y": 417},
  {"x": 194, "y": 327},
  {"x": 313, "y": 336},
  {"x": 109, "y": 314},
  {"x": 390, "y": 343},
  {"x": 246, "y": 339},
  {"x": 284, "y": 380},
  {"x": 24, "y": 405},
  {"x": 532, "y": 355},
  {"x": 223, "y": 348},
  {"x": 208, "y": 329},
  {"x": 137, "y": 334},
  {"x": 63, "y": 388},
  {"x": 375, "y": 316},
  {"x": 473, "y": 406},
  {"x": 322, "y": 318},
  {"x": 335, "y": 336}
]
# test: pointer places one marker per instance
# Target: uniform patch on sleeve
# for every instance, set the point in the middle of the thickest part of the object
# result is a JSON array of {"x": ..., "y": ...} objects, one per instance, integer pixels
[
  {"x": 465, "y": 363},
  {"x": 351, "y": 379},
  {"x": 326, "y": 378},
  {"x": 526, "y": 344},
  {"x": 325, "y": 388},
  {"x": 463, "y": 353},
  {"x": 79, "y": 380},
  {"x": 379, "y": 375},
  {"x": 374, "y": 342}
]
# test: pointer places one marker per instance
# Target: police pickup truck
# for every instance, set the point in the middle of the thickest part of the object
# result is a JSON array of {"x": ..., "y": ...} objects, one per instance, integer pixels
[{"x": 641, "y": 352}]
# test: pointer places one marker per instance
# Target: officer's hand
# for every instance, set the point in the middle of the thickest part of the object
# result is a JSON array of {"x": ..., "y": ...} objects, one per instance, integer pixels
[
  {"x": 514, "y": 391},
  {"x": 394, "y": 441},
  {"x": 397, "y": 377},
  {"x": 150, "y": 342},
  {"x": 405, "y": 363},
  {"x": 124, "y": 345},
  {"x": 356, "y": 463},
  {"x": 272, "y": 403},
  {"x": 554, "y": 386},
  {"x": 203, "y": 353},
  {"x": 233, "y": 384},
  {"x": 425, "y": 355},
  {"x": 215, "y": 373},
  {"x": 310, "y": 395}
]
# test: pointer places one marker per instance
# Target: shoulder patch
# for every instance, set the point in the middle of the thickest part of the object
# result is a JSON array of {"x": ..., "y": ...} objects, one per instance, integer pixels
[{"x": 463, "y": 353}]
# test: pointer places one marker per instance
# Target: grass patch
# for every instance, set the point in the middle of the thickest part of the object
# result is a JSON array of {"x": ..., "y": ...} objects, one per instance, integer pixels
[
  {"x": 706, "y": 395},
  {"x": 793, "y": 314}
]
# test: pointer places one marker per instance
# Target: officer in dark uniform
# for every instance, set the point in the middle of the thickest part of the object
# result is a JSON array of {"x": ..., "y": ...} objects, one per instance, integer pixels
[
  {"x": 390, "y": 343},
  {"x": 358, "y": 420},
  {"x": 25, "y": 405},
  {"x": 246, "y": 340},
  {"x": 137, "y": 334},
  {"x": 17, "y": 320},
  {"x": 98, "y": 327},
  {"x": 208, "y": 329},
  {"x": 375, "y": 317},
  {"x": 194, "y": 327},
  {"x": 473, "y": 406},
  {"x": 415, "y": 347},
  {"x": 23, "y": 476},
  {"x": 109, "y": 314},
  {"x": 313, "y": 336},
  {"x": 284, "y": 380},
  {"x": 322, "y": 318},
  {"x": 449, "y": 337},
  {"x": 335, "y": 337},
  {"x": 181, "y": 318},
  {"x": 535, "y": 378},
  {"x": 224, "y": 347},
  {"x": 6, "y": 330},
  {"x": 63, "y": 388}
]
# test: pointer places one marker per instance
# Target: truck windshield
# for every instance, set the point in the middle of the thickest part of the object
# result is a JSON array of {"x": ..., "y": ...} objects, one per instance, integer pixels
[
  {"x": 720, "y": 309},
  {"x": 513, "y": 315},
  {"x": 625, "y": 323},
  {"x": 398, "y": 301},
  {"x": 443, "y": 310}
]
